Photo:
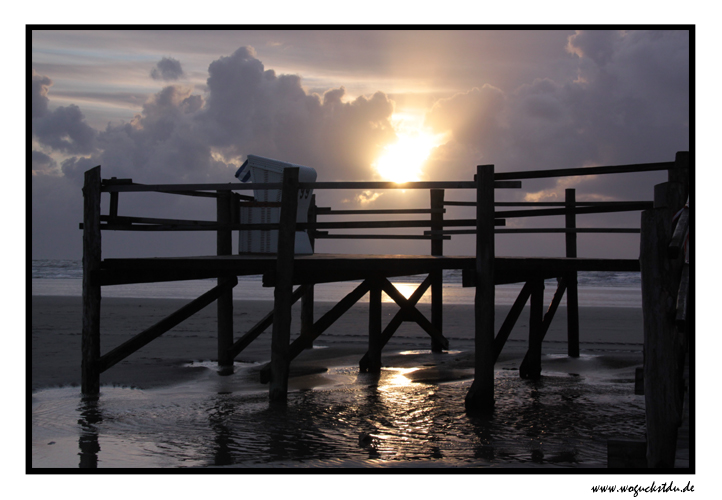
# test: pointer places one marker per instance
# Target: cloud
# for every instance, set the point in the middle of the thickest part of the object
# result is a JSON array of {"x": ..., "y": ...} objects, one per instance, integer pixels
[
  {"x": 63, "y": 129},
  {"x": 628, "y": 104},
  {"x": 597, "y": 45},
  {"x": 167, "y": 69},
  {"x": 181, "y": 136},
  {"x": 42, "y": 163}
]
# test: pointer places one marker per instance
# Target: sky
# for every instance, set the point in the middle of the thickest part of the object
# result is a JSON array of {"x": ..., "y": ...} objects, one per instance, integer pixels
[{"x": 169, "y": 106}]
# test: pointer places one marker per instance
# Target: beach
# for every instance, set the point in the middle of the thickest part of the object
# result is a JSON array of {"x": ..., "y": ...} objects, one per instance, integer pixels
[{"x": 166, "y": 406}]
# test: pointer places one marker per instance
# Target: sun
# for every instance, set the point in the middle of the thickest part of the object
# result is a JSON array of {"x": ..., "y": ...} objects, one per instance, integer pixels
[{"x": 403, "y": 160}]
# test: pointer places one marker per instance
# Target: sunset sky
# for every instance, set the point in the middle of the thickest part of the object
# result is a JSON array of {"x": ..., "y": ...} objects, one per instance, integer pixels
[{"x": 188, "y": 106}]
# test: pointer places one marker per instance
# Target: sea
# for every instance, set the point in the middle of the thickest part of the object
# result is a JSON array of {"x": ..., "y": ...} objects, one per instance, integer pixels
[{"x": 562, "y": 420}]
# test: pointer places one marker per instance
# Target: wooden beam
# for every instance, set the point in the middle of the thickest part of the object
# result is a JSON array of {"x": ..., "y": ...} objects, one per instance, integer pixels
[
  {"x": 90, "y": 340},
  {"x": 283, "y": 292},
  {"x": 547, "y": 212},
  {"x": 437, "y": 277},
  {"x": 565, "y": 172},
  {"x": 511, "y": 318},
  {"x": 148, "y": 335},
  {"x": 307, "y": 302},
  {"x": 540, "y": 230},
  {"x": 251, "y": 186},
  {"x": 531, "y": 365},
  {"x": 480, "y": 397},
  {"x": 224, "y": 303},
  {"x": 374, "y": 352},
  {"x": 664, "y": 345},
  {"x": 388, "y": 211},
  {"x": 570, "y": 278}
]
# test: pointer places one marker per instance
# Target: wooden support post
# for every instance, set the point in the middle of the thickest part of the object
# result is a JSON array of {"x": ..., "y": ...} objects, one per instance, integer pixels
[
  {"x": 571, "y": 277},
  {"x": 261, "y": 326},
  {"x": 323, "y": 323},
  {"x": 113, "y": 212},
  {"x": 374, "y": 352},
  {"x": 308, "y": 297},
  {"x": 89, "y": 371},
  {"x": 531, "y": 366},
  {"x": 437, "y": 277},
  {"x": 481, "y": 394},
  {"x": 664, "y": 344},
  {"x": 283, "y": 291},
  {"x": 224, "y": 246}
]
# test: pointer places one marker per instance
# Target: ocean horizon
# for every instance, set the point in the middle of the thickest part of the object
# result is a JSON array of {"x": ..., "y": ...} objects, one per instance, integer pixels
[{"x": 596, "y": 289}]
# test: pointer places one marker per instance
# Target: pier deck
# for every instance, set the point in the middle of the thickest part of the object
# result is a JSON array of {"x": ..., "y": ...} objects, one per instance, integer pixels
[{"x": 327, "y": 268}]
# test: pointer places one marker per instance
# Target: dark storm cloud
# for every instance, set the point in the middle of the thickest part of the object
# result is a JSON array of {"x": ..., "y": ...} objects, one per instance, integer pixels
[
  {"x": 180, "y": 136},
  {"x": 167, "y": 69},
  {"x": 251, "y": 109},
  {"x": 64, "y": 129},
  {"x": 42, "y": 163},
  {"x": 628, "y": 104}
]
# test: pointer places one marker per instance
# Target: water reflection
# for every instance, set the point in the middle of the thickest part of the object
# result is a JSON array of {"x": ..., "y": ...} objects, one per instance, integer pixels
[
  {"x": 90, "y": 417},
  {"x": 558, "y": 419}
]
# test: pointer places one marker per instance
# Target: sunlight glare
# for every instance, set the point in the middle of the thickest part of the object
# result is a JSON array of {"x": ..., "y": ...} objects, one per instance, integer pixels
[{"x": 403, "y": 160}]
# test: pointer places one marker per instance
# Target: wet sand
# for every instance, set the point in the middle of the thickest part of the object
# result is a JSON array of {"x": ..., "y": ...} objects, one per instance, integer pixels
[
  {"x": 166, "y": 406},
  {"x": 56, "y": 340}
]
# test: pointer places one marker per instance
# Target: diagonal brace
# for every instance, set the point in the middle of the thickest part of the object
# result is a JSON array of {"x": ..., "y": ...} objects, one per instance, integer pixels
[
  {"x": 129, "y": 347},
  {"x": 320, "y": 326},
  {"x": 262, "y": 325},
  {"x": 413, "y": 313},
  {"x": 396, "y": 321}
]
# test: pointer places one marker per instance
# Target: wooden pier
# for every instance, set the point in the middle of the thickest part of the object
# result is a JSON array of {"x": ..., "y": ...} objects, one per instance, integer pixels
[{"x": 285, "y": 270}]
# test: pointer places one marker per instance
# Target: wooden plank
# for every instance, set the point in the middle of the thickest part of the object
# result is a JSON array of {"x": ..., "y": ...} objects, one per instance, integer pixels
[
  {"x": 146, "y": 336},
  {"x": 224, "y": 303},
  {"x": 262, "y": 325},
  {"x": 480, "y": 397},
  {"x": 570, "y": 278},
  {"x": 531, "y": 230},
  {"x": 126, "y": 220},
  {"x": 389, "y": 211},
  {"x": 511, "y": 319},
  {"x": 566, "y": 172},
  {"x": 397, "y": 320},
  {"x": 545, "y": 203},
  {"x": 380, "y": 237},
  {"x": 283, "y": 292},
  {"x": 413, "y": 313},
  {"x": 547, "y": 212},
  {"x": 90, "y": 340},
  {"x": 251, "y": 186}
]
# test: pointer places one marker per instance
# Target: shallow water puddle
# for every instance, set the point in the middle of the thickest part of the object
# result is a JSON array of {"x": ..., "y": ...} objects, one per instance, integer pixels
[{"x": 563, "y": 419}]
